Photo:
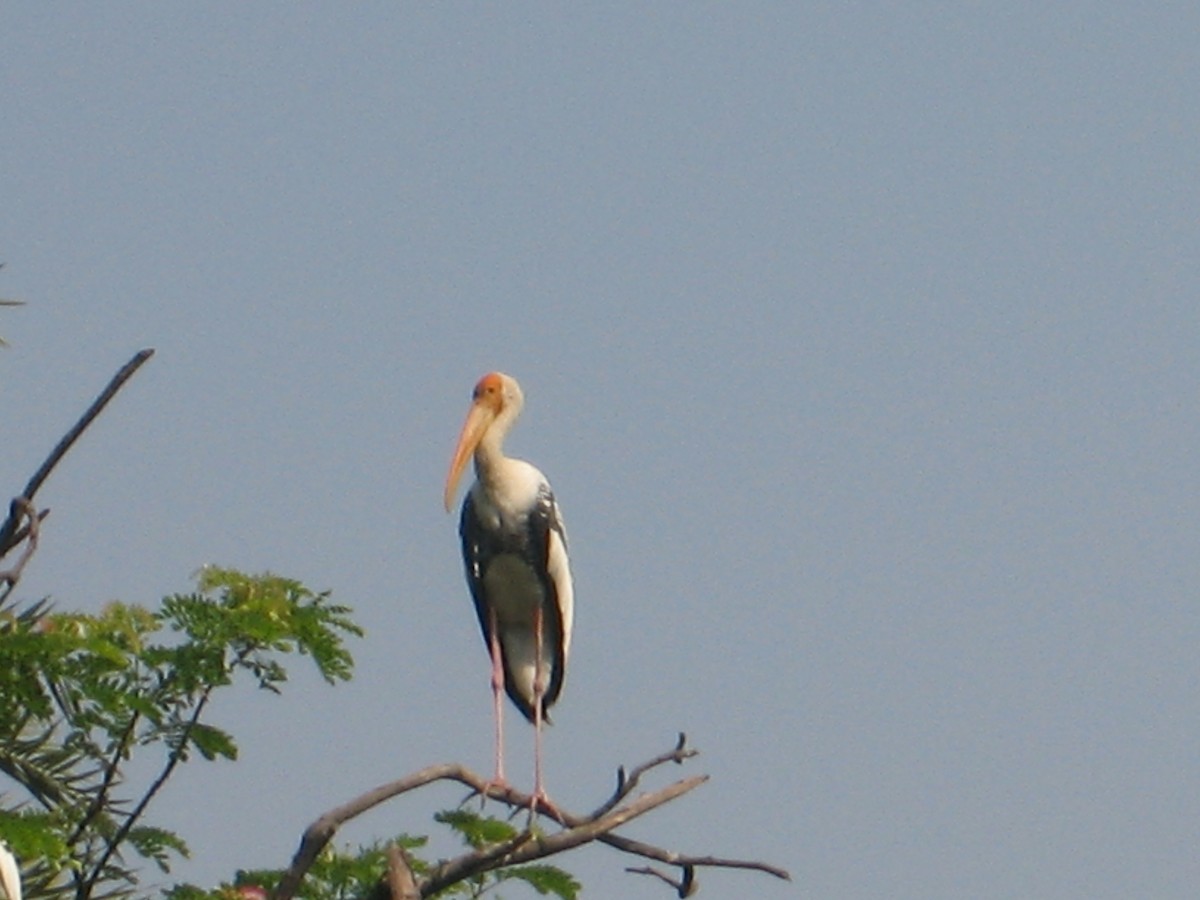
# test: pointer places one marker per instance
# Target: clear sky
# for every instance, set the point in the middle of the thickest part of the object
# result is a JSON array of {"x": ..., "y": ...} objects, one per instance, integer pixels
[{"x": 859, "y": 341}]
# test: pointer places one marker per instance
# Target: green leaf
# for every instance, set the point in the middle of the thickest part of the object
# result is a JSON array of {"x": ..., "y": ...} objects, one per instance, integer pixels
[
  {"x": 476, "y": 831},
  {"x": 212, "y": 742},
  {"x": 544, "y": 880},
  {"x": 187, "y": 891},
  {"x": 157, "y": 844},
  {"x": 32, "y": 835}
]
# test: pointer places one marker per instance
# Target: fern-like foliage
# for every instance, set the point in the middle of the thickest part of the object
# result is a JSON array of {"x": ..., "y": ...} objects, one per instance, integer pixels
[
  {"x": 81, "y": 694},
  {"x": 360, "y": 873}
]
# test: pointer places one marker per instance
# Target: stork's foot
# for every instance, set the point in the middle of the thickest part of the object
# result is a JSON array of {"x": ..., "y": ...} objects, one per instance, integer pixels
[
  {"x": 540, "y": 802},
  {"x": 494, "y": 787}
]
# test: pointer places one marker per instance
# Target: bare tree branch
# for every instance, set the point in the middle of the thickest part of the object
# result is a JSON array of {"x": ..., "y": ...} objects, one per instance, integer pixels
[
  {"x": 400, "y": 877},
  {"x": 684, "y": 887},
  {"x": 626, "y": 783},
  {"x": 537, "y": 847},
  {"x": 8, "y": 531},
  {"x": 684, "y": 860},
  {"x": 320, "y": 832},
  {"x": 23, "y": 531},
  {"x": 9, "y": 577},
  {"x": 529, "y": 845}
]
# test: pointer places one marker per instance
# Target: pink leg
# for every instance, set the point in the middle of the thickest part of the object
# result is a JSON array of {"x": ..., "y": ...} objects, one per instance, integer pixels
[
  {"x": 497, "y": 779},
  {"x": 539, "y": 691}
]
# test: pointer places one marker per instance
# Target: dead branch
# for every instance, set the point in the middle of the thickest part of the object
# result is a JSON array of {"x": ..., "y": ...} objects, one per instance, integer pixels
[
  {"x": 9, "y": 577},
  {"x": 538, "y": 847},
  {"x": 400, "y": 876},
  {"x": 684, "y": 861},
  {"x": 21, "y": 509},
  {"x": 530, "y": 844},
  {"x": 684, "y": 887},
  {"x": 626, "y": 783}
]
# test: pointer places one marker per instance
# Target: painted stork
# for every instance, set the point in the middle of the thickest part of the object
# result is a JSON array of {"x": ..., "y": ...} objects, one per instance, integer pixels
[
  {"x": 10, "y": 874},
  {"x": 515, "y": 552}
]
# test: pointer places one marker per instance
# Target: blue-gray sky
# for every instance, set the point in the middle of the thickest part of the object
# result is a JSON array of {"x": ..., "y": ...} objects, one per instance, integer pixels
[{"x": 860, "y": 344}]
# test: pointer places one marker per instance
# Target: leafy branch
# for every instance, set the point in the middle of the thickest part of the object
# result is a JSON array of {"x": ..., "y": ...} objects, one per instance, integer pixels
[{"x": 91, "y": 690}]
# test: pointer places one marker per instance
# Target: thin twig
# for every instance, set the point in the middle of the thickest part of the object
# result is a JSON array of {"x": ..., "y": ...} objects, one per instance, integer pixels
[
  {"x": 9, "y": 528},
  {"x": 638, "y": 848},
  {"x": 627, "y": 782},
  {"x": 684, "y": 887},
  {"x": 111, "y": 771},
  {"x": 173, "y": 760},
  {"x": 24, "y": 529}
]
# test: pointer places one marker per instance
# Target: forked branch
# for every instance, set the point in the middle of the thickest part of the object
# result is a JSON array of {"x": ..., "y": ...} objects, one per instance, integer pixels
[
  {"x": 529, "y": 845},
  {"x": 401, "y": 882},
  {"x": 27, "y": 533},
  {"x": 23, "y": 518}
]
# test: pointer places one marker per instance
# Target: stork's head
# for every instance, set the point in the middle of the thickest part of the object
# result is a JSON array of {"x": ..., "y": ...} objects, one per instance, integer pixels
[{"x": 495, "y": 404}]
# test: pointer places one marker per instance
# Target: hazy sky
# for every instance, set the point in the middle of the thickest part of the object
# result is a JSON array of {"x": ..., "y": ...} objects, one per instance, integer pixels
[{"x": 860, "y": 343}]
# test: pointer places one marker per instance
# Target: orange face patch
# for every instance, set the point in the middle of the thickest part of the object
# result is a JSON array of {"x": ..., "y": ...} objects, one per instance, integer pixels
[{"x": 490, "y": 389}]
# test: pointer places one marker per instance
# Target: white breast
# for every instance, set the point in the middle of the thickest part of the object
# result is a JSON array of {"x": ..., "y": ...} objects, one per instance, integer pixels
[{"x": 508, "y": 493}]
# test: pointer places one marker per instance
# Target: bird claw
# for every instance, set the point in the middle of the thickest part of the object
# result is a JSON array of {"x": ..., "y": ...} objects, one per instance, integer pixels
[
  {"x": 540, "y": 801},
  {"x": 494, "y": 786}
]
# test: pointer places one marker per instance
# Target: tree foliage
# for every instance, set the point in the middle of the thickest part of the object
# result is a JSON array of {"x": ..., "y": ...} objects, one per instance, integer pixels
[
  {"x": 83, "y": 695},
  {"x": 80, "y": 695}
]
